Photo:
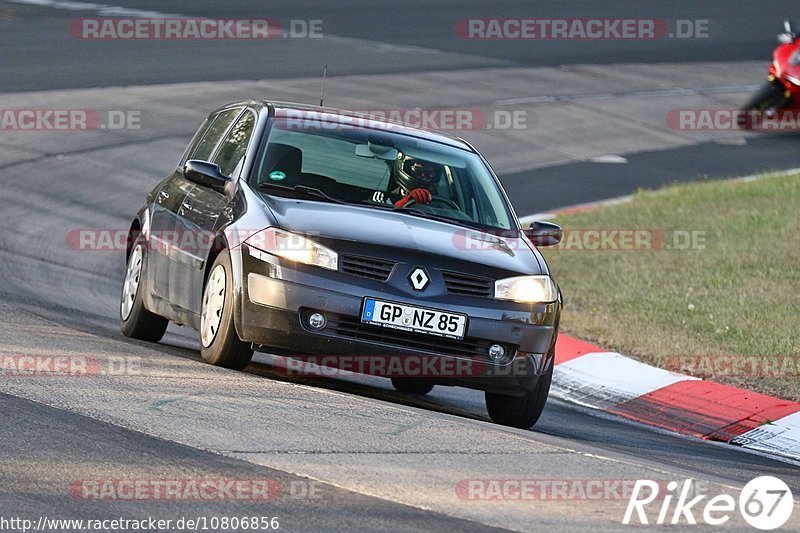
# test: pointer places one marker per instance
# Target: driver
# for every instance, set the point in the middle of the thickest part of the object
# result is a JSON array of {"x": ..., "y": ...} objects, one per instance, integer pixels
[{"x": 412, "y": 179}]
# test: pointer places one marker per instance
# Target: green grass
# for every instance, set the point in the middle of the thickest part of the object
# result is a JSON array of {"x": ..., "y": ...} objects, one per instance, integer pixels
[{"x": 738, "y": 293}]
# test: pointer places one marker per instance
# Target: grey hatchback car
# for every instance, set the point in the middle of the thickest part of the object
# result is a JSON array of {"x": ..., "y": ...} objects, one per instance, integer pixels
[{"x": 341, "y": 240}]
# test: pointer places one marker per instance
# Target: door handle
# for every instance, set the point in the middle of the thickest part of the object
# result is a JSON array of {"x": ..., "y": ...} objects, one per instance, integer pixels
[
  {"x": 187, "y": 206},
  {"x": 164, "y": 194}
]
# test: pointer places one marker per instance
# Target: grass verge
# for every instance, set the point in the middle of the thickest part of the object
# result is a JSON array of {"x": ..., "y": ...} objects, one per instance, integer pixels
[{"x": 715, "y": 293}]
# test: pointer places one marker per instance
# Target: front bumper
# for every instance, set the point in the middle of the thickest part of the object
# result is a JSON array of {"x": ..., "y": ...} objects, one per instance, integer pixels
[{"x": 277, "y": 297}]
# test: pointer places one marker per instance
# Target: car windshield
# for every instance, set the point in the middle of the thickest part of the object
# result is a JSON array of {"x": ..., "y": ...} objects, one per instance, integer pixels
[{"x": 345, "y": 162}]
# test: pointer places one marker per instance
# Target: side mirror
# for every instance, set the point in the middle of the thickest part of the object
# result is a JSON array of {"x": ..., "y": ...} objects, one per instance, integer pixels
[
  {"x": 206, "y": 174},
  {"x": 544, "y": 233}
]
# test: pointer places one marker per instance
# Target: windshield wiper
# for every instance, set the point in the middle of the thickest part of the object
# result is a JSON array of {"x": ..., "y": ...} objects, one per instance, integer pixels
[
  {"x": 303, "y": 189},
  {"x": 424, "y": 214},
  {"x": 442, "y": 218},
  {"x": 313, "y": 191}
]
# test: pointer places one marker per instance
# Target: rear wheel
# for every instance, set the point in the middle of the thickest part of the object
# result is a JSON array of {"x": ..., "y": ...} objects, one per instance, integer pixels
[
  {"x": 769, "y": 98},
  {"x": 520, "y": 411},
  {"x": 412, "y": 386},
  {"x": 219, "y": 343},
  {"x": 134, "y": 319}
]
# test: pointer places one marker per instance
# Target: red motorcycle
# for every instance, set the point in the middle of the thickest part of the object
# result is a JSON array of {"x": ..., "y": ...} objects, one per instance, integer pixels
[{"x": 782, "y": 90}]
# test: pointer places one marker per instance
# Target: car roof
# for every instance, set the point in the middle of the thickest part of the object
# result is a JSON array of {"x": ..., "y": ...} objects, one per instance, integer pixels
[{"x": 331, "y": 114}]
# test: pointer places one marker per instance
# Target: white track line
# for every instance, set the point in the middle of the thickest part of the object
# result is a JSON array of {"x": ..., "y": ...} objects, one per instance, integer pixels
[
  {"x": 721, "y": 89},
  {"x": 100, "y": 9}
]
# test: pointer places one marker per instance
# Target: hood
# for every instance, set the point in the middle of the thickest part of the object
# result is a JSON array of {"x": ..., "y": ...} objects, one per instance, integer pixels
[{"x": 370, "y": 230}]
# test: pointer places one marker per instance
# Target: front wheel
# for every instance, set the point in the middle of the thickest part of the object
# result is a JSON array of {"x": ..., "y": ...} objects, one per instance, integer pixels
[
  {"x": 520, "y": 411},
  {"x": 134, "y": 319},
  {"x": 769, "y": 98},
  {"x": 219, "y": 343}
]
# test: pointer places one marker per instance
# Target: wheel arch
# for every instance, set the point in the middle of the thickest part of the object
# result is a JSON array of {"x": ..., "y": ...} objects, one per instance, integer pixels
[
  {"x": 219, "y": 245},
  {"x": 133, "y": 231}
]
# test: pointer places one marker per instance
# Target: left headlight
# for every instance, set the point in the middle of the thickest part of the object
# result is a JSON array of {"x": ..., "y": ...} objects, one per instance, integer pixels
[
  {"x": 294, "y": 247},
  {"x": 527, "y": 289}
]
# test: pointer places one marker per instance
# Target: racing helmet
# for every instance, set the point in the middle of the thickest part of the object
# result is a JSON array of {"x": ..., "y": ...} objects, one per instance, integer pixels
[{"x": 412, "y": 173}]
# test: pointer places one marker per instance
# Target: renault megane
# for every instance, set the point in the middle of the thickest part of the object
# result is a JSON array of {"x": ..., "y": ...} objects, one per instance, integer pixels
[{"x": 318, "y": 233}]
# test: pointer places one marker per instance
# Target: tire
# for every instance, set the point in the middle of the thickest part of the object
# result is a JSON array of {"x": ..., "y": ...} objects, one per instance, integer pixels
[
  {"x": 135, "y": 320},
  {"x": 220, "y": 345},
  {"x": 412, "y": 386},
  {"x": 520, "y": 411},
  {"x": 771, "y": 96}
]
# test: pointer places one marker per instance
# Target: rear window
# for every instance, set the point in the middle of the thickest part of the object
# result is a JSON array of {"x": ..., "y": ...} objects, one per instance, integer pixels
[{"x": 333, "y": 158}]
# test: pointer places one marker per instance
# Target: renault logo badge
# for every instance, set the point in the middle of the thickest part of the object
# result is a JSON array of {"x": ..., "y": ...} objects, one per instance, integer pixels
[{"x": 419, "y": 278}]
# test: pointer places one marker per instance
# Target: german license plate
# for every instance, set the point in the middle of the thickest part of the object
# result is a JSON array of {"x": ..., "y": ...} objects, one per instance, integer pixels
[{"x": 412, "y": 318}]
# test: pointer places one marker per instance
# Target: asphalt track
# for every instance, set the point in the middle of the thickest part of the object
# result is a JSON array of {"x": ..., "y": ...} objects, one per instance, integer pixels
[
  {"x": 386, "y": 461},
  {"x": 39, "y": 54}
]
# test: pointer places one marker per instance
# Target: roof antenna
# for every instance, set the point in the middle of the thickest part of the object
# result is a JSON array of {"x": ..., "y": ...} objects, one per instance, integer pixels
[{"x": 322, "y": 94}]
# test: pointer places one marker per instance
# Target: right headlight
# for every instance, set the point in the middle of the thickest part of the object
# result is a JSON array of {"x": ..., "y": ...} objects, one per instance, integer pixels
[
  {"x": 294, "y": 247},
  {"x": 527, "y": 289}
]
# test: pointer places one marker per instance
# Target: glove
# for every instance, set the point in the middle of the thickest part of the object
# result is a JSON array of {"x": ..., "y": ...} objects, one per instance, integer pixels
[{"x": 421, "y": 196}]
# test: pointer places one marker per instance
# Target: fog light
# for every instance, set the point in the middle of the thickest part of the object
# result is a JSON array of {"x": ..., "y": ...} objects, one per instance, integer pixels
[
  {"x": 316, "y": 321},
  {"x": 496, "y": 352}
]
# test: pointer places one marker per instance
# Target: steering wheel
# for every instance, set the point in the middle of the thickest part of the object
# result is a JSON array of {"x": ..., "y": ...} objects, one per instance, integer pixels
[{"x": 436, "y": 199}]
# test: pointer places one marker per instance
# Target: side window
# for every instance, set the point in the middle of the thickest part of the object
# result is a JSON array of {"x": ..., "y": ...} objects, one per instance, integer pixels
[
  {"x": 196, "y": 139},
  {"x": 217, "y": 129},
  {"x": 234, "y": 146}
]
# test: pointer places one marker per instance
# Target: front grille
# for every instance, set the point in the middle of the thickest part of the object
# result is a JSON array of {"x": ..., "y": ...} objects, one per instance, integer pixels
[
  {"x": 352, "y": 328},
  {"x": 467, "y": 285},
  {"x": 366, "y": 267}
]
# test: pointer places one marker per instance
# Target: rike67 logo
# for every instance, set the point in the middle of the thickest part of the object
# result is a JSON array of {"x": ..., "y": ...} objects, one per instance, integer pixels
[{"x": 765, "y": 503}]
